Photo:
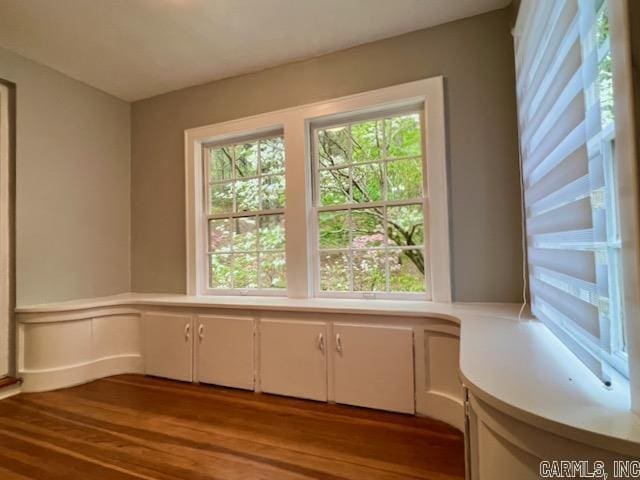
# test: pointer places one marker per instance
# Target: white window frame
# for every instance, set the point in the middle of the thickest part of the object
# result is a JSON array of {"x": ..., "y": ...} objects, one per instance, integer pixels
[
  {"x": 7, "y": 201},
  {"x": 234, "y": 215},
  {"x": 296, "y": 124}
]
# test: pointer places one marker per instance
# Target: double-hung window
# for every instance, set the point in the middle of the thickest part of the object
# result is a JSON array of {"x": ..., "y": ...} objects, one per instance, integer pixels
[
  {"x": 369, "y": 199},
  {"x": 245, "y": 191},
  {"x": 345, "y": 197}
]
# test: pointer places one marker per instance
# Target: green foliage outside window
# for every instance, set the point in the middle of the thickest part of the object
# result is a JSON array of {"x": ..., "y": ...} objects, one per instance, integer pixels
[
  {"x": 372, "y": 243},
  {"x": 247, "y": 250},
  {"x": 605, "y": 73}
]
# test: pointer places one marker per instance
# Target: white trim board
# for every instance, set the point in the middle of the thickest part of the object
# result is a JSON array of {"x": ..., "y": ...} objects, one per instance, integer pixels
[
  {"x": 295, "y": 122},
  {"x": 5, "y": 231}
]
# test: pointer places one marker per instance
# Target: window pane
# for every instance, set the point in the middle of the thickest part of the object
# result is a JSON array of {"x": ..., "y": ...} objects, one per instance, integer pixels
[
  {"x": 220, "y": 164},
  {"x": 246, "y": 160},
  {"x": 221, "y": 197},
  {"x": 220, "y": 271},
  {"x": 272, "y": 188},
  {"x": 334, "y": 229},
  {"x": 406, "y": 270},
  {"x": 246, "y": 251},
  {"x": 334, "y": 272},
  {"x": 271, "y": 232},
  {"x": 334, "y": 186},
  {"x": 247, "y": 197},
  {"x": 244, "y": 235},
  {"x": 368, "y": 182},
  {"x": 333, "y": 146},
  {"x": 605, "y": 85},
  {"x": 367, "y": 228},
  {"x": 403, "y": 134},
  {"x": 367, "y": 140},
  {"x": 404, "y": 179},
  {"x": 245, "y": 270},
  {"x": 272, "y": 155},
  {"x": 602, "y": 25},
  {"x": 385, "y": 166},
  {"x": 220, "y": 235},
  {"x": 405, "y": 225},
  {"x": 272, "y": 270},
  {"x": 369, "y": 271}
]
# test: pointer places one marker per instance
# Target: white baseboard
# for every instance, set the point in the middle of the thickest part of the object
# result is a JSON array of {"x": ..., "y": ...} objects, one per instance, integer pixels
[{"x": 10, "y": 391}]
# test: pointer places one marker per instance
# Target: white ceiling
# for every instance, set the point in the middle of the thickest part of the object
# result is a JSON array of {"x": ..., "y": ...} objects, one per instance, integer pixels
[{"x": 136, "y": 49}]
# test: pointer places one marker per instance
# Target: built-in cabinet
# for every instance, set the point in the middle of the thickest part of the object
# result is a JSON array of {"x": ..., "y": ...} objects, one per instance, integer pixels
[
  {"x": 378, "y": 361},
  {"x": 373, "y": 366},
  {"x": 224, "y": 351},
  {"x": 168, "y": 346},
  {"x": 293, "y": 358},
  {"x": 361, "y": 364}
]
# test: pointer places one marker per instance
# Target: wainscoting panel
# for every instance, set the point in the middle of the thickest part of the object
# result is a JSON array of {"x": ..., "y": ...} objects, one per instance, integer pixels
[{"x": 64, "y": 353}]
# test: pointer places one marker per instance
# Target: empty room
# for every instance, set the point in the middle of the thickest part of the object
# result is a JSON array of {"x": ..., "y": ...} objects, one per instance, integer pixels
[{"x": 331, "y": 239}]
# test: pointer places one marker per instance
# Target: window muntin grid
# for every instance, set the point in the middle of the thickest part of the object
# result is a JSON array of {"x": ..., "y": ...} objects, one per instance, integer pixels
[
  {"x": 245, "y": 199},
  {"x": 370, "y": 203}
]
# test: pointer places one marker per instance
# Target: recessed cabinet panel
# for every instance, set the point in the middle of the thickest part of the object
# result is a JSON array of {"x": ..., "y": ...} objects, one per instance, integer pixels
[
  {"x": 373, "y": 366},
  {"x": 293, "y": 358},
  {"x": 225, "y": 351},
  {"x": 116, "y": 335},
  {"x": 72, "y": 345},
  {"x": 168, "y": 345},
  {"x": 443, "y": 351}
]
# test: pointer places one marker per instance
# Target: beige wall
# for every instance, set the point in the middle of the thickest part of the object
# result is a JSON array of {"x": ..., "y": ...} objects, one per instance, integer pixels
[
  {"x": 72, "y": 186},
  {"x": 476, "y": 57}
]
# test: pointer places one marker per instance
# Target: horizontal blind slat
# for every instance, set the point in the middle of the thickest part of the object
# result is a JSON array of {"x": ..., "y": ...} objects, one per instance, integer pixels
[
  {"x": 572, "y": 216},
  {"x": 537, "y": 131},
  {"x": 544, "y": 45},
  {"x": 577, "y": 288},
  {"x": 538, "y": 169},
  {"x": 576, "y": 263},
  {"x": 591, "y": 361},
  {"x": 568, "y": 193},
  {"x": 532, "y": 101},
  {"x": 542, "y": 10},
  {"x": 576, "y": 165},
  {"x": 569, "y": 240},
  {"x": 583, "y": 315}
]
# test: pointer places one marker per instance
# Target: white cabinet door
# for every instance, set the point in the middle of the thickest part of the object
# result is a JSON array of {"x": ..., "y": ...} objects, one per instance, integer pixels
[
  {"x": 373, "y": 366},
  {"x": 168, "y": 344},
  {"x": 225, "y": 351},
  {"x": 293, "y": 358}
]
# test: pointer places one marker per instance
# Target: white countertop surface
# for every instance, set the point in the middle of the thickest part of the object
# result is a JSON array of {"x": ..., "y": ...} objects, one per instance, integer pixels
[{"x": 517, "y": 366}]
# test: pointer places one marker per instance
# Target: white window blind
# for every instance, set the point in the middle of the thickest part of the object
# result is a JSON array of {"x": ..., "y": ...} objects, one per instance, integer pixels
[{"x": 567, "y": 137}]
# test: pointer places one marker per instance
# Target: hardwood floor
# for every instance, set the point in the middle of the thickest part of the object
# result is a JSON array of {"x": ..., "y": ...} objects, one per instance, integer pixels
[{"x": 135, "y": 427}]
